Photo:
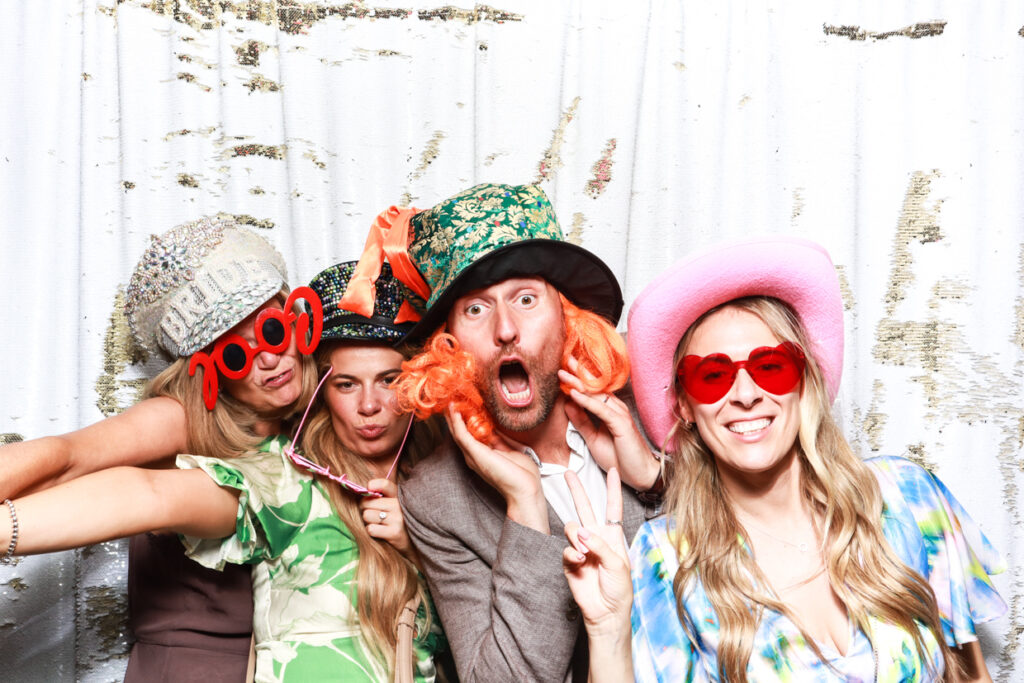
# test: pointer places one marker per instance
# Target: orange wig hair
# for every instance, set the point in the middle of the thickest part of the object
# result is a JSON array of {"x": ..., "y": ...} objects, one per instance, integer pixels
[{"x": 443, "y": 375}]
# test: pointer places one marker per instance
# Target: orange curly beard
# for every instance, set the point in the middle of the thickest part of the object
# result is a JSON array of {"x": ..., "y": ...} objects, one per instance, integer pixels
[{"x": 443, "y": 375}]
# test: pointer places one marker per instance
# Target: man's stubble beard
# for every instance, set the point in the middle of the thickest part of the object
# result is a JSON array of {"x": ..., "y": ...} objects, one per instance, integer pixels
[{"x": 542, "y": 369}]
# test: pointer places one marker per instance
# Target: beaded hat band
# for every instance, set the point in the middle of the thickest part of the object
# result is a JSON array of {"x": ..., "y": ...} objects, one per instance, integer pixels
[
  {"x": 197, "y": 281},
  {"x": 330, "y": 285}
]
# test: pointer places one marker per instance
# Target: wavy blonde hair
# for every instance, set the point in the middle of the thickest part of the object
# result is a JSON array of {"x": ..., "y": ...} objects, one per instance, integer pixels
[
  {"x": 385, "y": 579},
  {"x": 862, "y": 568},
  {"x": 227, "y": 431}
]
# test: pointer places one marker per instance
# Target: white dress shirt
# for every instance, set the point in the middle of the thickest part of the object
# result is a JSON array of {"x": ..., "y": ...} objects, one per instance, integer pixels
[{"x": 552, "y": 479}]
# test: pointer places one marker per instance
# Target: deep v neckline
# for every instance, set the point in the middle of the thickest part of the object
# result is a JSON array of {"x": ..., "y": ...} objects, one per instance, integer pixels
[{"x": 830, "y": 651}]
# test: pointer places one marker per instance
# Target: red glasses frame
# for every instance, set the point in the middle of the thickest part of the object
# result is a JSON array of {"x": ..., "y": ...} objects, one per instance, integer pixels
[
  {"x": 214, "y": 364},
  {"x": 709, "y": 378}
]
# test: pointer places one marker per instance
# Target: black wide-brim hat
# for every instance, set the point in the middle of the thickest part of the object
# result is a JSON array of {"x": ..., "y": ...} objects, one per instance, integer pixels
[{"x": 490, "y": 233}]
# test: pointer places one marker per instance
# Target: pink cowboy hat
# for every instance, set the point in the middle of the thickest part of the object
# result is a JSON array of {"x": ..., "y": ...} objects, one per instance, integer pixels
[{"x": 794, "y": 270}]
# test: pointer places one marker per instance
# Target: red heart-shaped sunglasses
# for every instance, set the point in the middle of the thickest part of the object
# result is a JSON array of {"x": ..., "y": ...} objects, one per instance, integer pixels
[{"x": 776, "y": 370}]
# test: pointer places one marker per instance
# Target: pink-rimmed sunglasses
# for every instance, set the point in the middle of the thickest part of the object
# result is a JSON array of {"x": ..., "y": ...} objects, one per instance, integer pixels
[{"x": 320, "y": 470}]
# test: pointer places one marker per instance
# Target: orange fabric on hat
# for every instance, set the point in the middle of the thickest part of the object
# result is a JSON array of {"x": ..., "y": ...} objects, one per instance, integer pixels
[{"x": 388, "y": 236}]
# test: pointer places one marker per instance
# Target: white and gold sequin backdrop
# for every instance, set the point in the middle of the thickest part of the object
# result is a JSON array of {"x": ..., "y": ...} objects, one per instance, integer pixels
[{"x": 891, "y": 133}]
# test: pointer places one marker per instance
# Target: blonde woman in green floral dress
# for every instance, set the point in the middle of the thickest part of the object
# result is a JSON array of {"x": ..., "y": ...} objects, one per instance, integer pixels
[{"x": 332, "y": 566}]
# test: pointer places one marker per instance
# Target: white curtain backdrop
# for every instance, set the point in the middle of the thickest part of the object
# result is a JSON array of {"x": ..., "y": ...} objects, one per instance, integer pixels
[{"x": 891, "y": 132}]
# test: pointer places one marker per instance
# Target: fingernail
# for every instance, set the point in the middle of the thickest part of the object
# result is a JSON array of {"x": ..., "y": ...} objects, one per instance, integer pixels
[
  {"x": 583, "y": 534},
  {"x": 580, "y": 557}
]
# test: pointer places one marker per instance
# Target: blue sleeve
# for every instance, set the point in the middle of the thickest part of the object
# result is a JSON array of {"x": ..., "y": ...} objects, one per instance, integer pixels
[
  {"x": 662, "y": 651},
  {"x": 933, "y": 534}
]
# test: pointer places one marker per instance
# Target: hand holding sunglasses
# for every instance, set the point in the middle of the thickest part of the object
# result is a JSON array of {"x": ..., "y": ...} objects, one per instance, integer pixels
[
  {"x": 233, "y": 356},
  {"x": 776, "y": 370}
]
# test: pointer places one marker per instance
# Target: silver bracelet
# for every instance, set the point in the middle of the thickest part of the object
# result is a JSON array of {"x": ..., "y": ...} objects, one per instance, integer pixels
[{"x": 8, "y": 557}]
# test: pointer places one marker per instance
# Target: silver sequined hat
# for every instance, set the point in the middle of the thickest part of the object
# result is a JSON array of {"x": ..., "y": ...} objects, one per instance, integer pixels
[{"x": 197, "y": 281}]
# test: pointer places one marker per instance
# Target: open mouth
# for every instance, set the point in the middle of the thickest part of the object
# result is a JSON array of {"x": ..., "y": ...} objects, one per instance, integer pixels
[
  {"x": 514, "y": 381},
  {"x": 749, "y": 426}
]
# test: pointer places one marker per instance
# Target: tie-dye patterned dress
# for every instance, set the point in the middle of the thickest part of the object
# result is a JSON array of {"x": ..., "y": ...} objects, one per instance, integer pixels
[
  {"x": 923, "y": 523},
  {"x": 304, "y": 562}
]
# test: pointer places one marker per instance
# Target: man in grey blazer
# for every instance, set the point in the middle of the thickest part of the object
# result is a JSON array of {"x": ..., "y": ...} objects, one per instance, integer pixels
[{"x": 486, "y": 516}]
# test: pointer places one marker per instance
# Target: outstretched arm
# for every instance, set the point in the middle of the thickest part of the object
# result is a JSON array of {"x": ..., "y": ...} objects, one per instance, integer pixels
[
  {"x": 118, "y": 502},
  {"x": 147, "y": 433}
]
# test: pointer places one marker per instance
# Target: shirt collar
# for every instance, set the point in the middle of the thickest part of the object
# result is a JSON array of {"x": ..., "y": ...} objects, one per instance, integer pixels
[{"x": 577, "y": 454}]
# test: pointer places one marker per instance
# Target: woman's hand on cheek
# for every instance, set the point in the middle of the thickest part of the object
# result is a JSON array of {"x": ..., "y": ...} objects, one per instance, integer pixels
[
  {"x": 383, "y": 517},
  {"x": 508, "y": 469}
]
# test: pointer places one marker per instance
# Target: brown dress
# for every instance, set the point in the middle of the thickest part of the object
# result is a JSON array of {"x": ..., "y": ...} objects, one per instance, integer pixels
[{"x": 190, "y": 623}]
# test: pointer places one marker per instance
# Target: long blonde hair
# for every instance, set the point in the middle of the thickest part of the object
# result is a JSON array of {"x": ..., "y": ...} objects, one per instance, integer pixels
[
  {"x": 227, "y": 431},
  {"x": 863, "y": 570},
  {"x": 385, "y": 579}
]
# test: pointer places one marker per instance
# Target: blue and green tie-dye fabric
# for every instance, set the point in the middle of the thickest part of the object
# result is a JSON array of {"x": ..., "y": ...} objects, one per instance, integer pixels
[
  {"x": 924, "y": 524},
  {"x": 304, "y": 572}
]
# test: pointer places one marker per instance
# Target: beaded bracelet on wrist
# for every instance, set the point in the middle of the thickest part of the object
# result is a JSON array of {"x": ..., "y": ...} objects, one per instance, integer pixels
[
  {"x": 8, "y": 557},
  {"x": 653, "y": 495}
]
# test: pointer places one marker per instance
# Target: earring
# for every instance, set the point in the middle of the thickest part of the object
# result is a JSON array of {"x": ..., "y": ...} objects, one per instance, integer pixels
[{"x": 691, "y": 426}]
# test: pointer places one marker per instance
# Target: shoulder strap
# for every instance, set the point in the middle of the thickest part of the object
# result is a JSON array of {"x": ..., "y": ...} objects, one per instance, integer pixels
[{"x": 406, "y": 630}]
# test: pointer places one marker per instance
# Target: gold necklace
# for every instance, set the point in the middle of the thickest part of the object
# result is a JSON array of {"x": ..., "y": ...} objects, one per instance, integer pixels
[{"x": 802, "y": 546}]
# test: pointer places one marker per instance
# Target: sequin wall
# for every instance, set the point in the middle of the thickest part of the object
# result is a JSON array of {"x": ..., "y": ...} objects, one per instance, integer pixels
[{"x": 890, "y": 133}]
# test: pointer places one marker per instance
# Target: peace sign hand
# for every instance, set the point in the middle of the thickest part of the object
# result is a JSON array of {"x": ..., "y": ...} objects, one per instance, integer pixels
[{"x": 596, "y": 564}]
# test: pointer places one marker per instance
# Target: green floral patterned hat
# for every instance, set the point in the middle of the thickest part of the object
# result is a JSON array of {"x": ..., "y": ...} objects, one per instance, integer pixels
[
  {"x": 339, "y": 323},
  {"x": 490, "y": 233}
]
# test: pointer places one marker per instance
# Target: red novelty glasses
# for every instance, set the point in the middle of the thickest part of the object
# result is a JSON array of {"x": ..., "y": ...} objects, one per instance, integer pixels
[
  {"x": 776, "y": 370},
  {"x": 232, "y": 355}
]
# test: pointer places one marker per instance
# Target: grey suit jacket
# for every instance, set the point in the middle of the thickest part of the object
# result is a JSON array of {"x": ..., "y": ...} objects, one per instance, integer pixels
[{"x": 498, "y": 586}]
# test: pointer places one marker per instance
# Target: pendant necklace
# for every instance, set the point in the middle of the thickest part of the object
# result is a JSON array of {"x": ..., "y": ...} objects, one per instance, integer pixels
[{"x": 802, "y": 546}]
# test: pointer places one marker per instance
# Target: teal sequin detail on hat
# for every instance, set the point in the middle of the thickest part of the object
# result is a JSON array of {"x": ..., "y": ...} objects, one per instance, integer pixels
[{"x": 330, "y": 285}]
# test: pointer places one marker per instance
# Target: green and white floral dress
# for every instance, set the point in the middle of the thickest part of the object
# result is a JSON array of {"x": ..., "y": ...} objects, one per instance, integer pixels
[{"x": 304, "y": 563}]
